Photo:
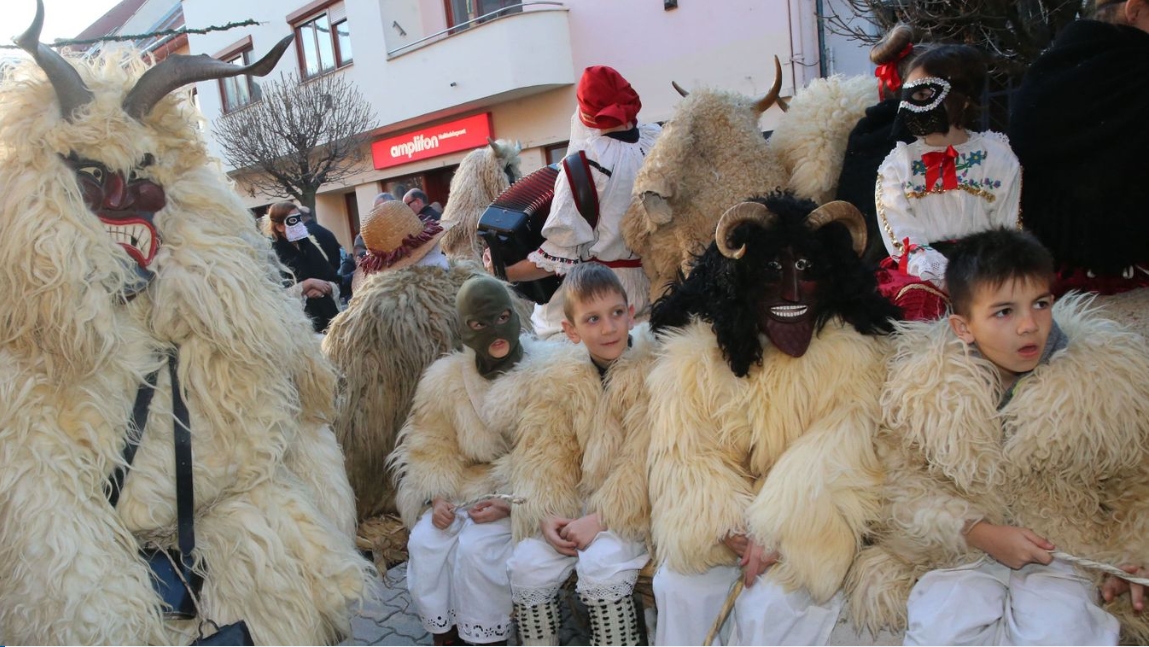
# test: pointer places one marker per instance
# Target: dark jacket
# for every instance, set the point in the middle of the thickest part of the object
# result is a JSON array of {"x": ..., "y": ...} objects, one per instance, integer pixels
[
  {"x": 327, "y": 242},
  {"x": 430, "y": 213},
  {"x": 307, "y": 262},
  {"x": 1078, "y": 126}
]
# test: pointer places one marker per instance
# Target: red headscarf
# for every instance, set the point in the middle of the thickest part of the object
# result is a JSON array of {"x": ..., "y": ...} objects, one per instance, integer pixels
[{"x": 605, "y": 99}]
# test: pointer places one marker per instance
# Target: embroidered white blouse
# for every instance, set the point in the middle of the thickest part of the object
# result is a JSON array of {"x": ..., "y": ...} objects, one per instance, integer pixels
[{"x": 987, "y": 195}]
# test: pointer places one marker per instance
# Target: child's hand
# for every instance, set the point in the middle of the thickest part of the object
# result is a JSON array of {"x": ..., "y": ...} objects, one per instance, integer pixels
[
  {"x": 489, "y": 510},
  {"x": 442, "y": 513},
  {"x": 1015, "y": 547},
  {"x": 755, "y": 561},
  {"x": 582, "y": 531},
  {"x": 552, "y": 526},
  {"x": 737, "y": 542},
  {"x": 1114, "y": 587}
]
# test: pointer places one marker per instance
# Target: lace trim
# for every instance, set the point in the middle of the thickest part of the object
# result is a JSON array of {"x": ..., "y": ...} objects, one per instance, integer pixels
[
  {"x": 438, "y": 624},
  {"x": 556, "y": 264},
  {"x": 473, "y": 633},
  {"x": 535, "y": 597},
  {"x": 609, "y": 591}
]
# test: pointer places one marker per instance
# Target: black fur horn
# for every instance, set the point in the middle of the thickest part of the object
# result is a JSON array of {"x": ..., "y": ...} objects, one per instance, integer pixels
[
  {"x": 179, "y": 70},
  {"x": 754, "y": 212},
  {"x": 845, "y": 213},
  {"x": 70, "y": 88}
]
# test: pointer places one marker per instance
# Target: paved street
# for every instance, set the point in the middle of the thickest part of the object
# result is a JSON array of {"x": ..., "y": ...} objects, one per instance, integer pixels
[{"x": 388, "y": 619}]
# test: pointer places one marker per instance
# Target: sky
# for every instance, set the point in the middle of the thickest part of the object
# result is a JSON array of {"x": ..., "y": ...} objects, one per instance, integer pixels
[{"x": 62, "y": 18}]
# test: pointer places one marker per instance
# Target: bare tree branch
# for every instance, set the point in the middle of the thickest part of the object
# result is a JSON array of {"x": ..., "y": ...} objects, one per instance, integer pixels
[
  {"x": 298, "y": 136},
  {"x": 1012, "y": 32}
]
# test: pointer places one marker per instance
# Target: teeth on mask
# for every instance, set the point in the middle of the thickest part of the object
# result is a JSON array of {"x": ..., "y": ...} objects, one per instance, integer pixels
[{"x": 788, "y": 312}]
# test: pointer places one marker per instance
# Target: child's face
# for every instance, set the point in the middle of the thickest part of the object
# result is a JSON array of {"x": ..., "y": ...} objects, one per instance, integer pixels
[
  {"x": 1008, "y": 324},
  {"x": 603, "y": 324}
]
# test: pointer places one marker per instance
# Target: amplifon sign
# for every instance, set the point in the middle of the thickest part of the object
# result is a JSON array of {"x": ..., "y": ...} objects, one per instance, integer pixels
[{"x": 451, "y": 137}]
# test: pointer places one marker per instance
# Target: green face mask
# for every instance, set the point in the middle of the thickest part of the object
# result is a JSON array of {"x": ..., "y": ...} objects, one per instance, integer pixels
[{"x": 490, "y": 326}]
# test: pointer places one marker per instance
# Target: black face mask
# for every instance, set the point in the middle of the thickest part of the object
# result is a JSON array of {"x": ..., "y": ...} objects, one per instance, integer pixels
[
  {"x": 923, "y": 108},
  {"x": 487, "y": 316}
]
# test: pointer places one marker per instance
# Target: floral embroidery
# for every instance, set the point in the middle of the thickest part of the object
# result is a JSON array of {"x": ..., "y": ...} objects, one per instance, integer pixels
[
  {"x": 965, "y": 161},
  {"x": 477, "y": 632}
]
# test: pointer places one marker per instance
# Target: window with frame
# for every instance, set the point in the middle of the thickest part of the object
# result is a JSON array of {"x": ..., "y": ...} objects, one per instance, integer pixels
[
  {"x": 323, "y": 41},
  {"x": 460, "y": 11},
  {"x": 237, "y": 91}
]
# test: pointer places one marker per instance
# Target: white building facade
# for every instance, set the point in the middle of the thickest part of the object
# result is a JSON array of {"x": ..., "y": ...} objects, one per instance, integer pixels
[{"x": 430, "y": 68}]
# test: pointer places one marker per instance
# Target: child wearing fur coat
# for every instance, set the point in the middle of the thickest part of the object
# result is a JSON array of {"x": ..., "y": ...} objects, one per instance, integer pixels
[
  {"x": 460, "y": 427},
  {"x": 1015, "y": 429},
  {"x": 584, "y": 480}
]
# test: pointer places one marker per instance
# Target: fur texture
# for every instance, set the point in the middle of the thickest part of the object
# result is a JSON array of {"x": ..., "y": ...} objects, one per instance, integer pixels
[
  {"x": 396, "y": 325},
  {"x": 785, "y": 453},
  {"x": 711, "y": 154},
  {"x": 588, "y": 450},
  {"x": 480, "y": 178},
  {"x": 456, "y": 442},
  {"x": 273, "y": 511},
  {"x": 1073, "y": 466}
]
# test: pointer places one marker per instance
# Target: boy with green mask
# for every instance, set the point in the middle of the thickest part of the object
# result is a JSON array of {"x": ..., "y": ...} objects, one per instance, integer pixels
[{"x": 447, "y": 453}]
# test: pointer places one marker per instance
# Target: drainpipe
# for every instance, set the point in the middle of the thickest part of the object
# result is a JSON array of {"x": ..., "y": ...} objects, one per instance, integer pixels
[{"x": 823, "y": 51}]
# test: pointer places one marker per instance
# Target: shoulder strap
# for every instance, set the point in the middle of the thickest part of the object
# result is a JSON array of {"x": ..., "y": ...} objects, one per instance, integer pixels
[
  {"x": 135, "y": 434},
  {"x": 577, "y": 168},
  {"x": 185, "y": 493}
]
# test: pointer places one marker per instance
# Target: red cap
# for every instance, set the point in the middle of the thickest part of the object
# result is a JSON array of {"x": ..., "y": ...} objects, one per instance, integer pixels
[{"x": 605, "y": 99}]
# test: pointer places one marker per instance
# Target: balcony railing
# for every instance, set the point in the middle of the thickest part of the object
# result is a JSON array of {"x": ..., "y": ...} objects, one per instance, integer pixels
[{"x": 488, "y": 17}]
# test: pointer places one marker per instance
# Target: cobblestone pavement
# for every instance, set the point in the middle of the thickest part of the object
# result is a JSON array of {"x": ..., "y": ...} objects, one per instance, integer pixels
[{"x": 388, "y": 618}]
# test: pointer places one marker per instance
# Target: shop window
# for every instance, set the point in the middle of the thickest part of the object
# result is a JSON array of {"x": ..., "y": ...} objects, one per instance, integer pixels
[
  {"x": 237, "y": 91},
  {"x": 323, "y": 39},
  {"x": 460, "y": 11}
]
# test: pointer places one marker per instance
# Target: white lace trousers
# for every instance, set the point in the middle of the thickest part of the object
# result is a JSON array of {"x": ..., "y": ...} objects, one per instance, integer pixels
[
  {"x": 987, "y": 603},
  {"x": 458, "y": 576},
  {"x": 607, "y": 568},
  {"x": 764, "y": 614}
]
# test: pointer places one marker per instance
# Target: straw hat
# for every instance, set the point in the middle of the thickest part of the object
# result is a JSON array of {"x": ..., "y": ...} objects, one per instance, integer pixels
[{"x": 396, "y": 237}]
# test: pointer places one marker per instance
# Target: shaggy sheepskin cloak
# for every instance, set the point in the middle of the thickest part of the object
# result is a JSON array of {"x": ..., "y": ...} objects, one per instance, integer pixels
[
  {"x": 784, "y": 454},
  {"x": 274, "y": 516},
  {"x": 1067, "y": 457},
  {"x": 597, "y": 462}
]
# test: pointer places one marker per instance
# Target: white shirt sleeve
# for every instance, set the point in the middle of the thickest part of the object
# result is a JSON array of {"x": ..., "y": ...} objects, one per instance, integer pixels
[
  {"x": 895, "y": 216},
  {"x": 567, "y": 234}
]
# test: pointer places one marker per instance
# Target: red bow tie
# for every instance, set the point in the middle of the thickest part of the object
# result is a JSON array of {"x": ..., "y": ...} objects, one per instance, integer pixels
[{"x": 941, "y": 163}]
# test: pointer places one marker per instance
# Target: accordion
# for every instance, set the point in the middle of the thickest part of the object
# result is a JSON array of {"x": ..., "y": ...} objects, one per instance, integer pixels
[{"x": 512, "y": 227}]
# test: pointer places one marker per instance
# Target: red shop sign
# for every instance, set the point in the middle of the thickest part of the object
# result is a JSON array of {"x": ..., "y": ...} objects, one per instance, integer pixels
[{"x": 433, "y": 141}]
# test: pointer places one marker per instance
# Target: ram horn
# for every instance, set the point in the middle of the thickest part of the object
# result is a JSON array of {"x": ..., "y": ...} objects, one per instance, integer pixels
[
  {"x": 70, "y": 88},
  {"x": 771, "y": 96},
  {"x": 845, "y": 213},
  {"x": 179, "y": 70},
  {"x": 678, "y": 88},
  {"x": 754, "y": 212}
]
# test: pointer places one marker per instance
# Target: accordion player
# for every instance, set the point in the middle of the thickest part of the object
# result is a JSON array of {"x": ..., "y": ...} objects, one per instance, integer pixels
[{"x": 512, "y": 227}]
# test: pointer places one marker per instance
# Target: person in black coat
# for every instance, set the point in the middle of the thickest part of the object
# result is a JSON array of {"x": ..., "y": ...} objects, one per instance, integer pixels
[
  {"x": 1078, "y": 126},
  {"x": 312, "y": 276},
  {"x": 328, "y": 244}
]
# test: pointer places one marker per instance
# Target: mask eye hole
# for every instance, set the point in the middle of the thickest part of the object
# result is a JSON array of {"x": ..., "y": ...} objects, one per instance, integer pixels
[
  {"x": 505, "y": 317},
  {"x": 802, "y": 264},
  {"x": 774, "y": 265},
  {"x": 94, "y": 172}
]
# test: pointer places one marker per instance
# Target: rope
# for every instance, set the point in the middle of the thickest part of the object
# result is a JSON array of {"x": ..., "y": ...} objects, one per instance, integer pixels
[
  {"x": 724, "y": 613},
  {"x": 1099, "y": 566},
  {"x": 509, "y": 498}
]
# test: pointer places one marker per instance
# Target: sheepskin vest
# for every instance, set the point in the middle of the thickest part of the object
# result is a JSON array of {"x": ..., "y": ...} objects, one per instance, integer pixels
[
  {"x": 1066, "y": 457},
  {"x": 785, "y": 454},
  {"x": 587, "y": 452}
]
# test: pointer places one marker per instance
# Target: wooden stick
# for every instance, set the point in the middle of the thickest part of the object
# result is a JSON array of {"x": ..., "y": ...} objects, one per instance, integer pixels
[{"x": 724, "y": 613}]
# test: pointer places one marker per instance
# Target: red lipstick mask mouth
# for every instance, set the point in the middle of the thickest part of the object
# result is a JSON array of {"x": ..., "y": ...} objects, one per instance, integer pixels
[{"x": 127, "y": 206}]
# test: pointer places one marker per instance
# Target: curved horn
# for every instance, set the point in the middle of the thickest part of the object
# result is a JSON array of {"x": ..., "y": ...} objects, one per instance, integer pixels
[
  {"x": 679, "y": 89},
  {"x": 771, "y": 96},
  {"x": 70, "y": 88},
  {"x": 754, "y": 212},
  {"x": 178, "y": 70},
  {"x": 845, "y": 213},
  {"x": 783, "y": 104}
]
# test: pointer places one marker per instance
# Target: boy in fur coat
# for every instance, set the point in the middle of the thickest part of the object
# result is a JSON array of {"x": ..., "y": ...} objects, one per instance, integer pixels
[
  {"x": 584, "y": 482},
  {"x": 763, "y": 405},
  {"x": 1014, "y": 429},
  {"x": 461, "y": 425}
]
